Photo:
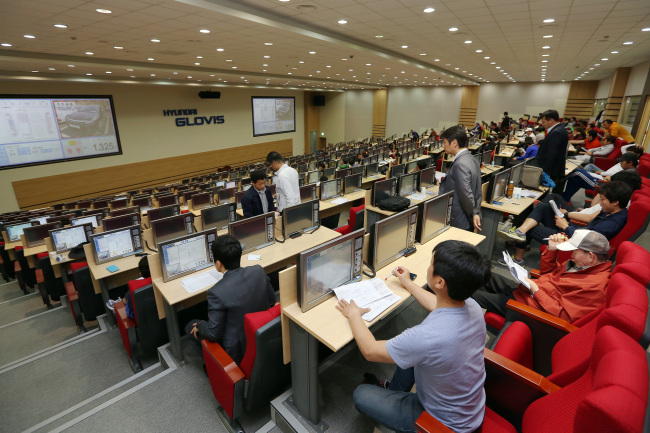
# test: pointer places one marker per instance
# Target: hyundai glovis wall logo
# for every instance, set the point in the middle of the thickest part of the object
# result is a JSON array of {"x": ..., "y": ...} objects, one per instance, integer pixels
[{"x": 188, "y": 117}]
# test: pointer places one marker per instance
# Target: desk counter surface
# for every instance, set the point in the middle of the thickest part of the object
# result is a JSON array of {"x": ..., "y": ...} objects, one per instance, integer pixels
[
  {"x": 513, "y": 206},
  {"x": 330, "y": 327},
  {"x": 99, "y": 271}
]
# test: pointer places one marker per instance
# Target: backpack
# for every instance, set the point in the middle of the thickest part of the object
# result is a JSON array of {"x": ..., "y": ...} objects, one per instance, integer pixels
[{"x": 395, "y": 203}]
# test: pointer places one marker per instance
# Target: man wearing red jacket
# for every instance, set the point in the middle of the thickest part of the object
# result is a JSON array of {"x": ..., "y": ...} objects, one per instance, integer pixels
[{"x": 567, "y": 290}]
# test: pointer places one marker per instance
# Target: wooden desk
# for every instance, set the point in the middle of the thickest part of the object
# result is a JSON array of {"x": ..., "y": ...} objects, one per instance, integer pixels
[
  {"x": 172, "y": 297},
  {"x": 491, "y": 216},
  {"x": 569, "y": 167},
  {"x": 327, "y": 208},
  {"x": 490, "y": 169},
  {"x": 504, "y": 155},
  {"x": 325, "y": 324}
]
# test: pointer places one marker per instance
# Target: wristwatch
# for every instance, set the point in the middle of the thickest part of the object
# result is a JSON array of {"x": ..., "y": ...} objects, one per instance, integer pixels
[{"x": 532, "y": 294}]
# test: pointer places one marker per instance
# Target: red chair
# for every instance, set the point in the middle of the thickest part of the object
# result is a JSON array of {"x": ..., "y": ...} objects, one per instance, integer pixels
[
  {"x": 73, "y": 296},
  {"x": 356, "y": 221},
  {"x": 610, "y": 396},
  {"x": 262, "y": 374},
  {"x": 633, "y": 260},
  {"x": 146, "y": 331},
  {"x": 644, "y": 168}
]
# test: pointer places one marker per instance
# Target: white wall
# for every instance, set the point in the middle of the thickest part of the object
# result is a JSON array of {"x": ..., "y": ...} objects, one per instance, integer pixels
[
  {"x": 602, "y": 92},
  {"x": 519, "y": 99},
  {"x": 146, "y": 134},
  {"x": 332, "y": 117},
  {"x": 421, "y": 108},
  {"x": 358, "y": 114},
  {"x": 636, "y": 82}
]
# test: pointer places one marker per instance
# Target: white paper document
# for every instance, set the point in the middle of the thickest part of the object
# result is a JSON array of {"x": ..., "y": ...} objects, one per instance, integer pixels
[
  {"x": 201, "y": 281},
  {"x": 440, "y": 176},
  {"x": 555, "y": 209},
  {"x": 373, "y": 294},
  {"x": 418, "y": 196},
  {"x": 516, "y": 270},
  {"x": 252, "y": 257},
  {"x": 526, "y": 193},
  {"x": 340, "y": 200}
]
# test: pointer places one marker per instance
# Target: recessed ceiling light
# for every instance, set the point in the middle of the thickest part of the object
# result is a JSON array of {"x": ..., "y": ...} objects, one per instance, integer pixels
[
  {"x": 545, "y": 47},
  {"x": 605, "y": 59},
  {"x": 423, "y": 54},
  {"x": 30, "y": 36},
  {"x": 129, "y": 70},
  {"x": 312, "y": 52},
  {"x": 268, "y": 43},
  {"x": 90, "y": 53},
  {"x": 479, "y": 51},
  {"x": 267, "y": 57},
  {"x": 155, "y": 40},
  {"x": 234, "y": 67},
  {"x": 405, "y": 46},
  {"x": 486, "y": 57},
  {"x": 468, "y": 42},
  {"x": 436, "y": 60},
  {"x": 4, "y": 44},
  {"x": 51, "y": 69},
  {"x": 645, "y": 29},
  {"x": 547, "y": 36},
  {"x": 549, "y": 20},
  {"x": 228, "y": 60},
  {"x": 342, "y": 22},
  {"x": 379, "y": 36},
  {"x": 34, "y": 71},
  {"x": 204, "y": 31},
  {"x": 151, "y": 59},
  {"x": 104, "y": 11},
  {"x": 453, "y": 29},
  {"x": 596, "y": 64},
  {"x": 628, "y": 43},
  {"x": 544, "y": 61},
  {"x": 219, "y": 49},
  {"x": 70, "y": 66},
  {"x": 119, "y": 48},
  {"x": 197, "y": 64},
  {"x": 88, "y": 73},
  {"x": 61, "y": 26}
]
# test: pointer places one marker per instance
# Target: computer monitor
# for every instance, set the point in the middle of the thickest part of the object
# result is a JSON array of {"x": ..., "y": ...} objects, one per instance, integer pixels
[
  {"x": 300, "y": 218},
  {"x": 40, "y": 219},
  {"x": 202, "y": 200},
  {"x": 486, "y": 157},
  {"x": 218, "y": 217},
  {"x": 115, "y": 244},
  {"x": 124, "y": 211},
  {"x": 352, "y": 183},
  {"x": 69, "y": 237},
  {"x": 231, "y": 184},
  {"x": 187, "y": 254},
  {"x": 226, "y": 194},
  {"x": 340, "y": 174},
  {"x": 330, "y": 172},
  {"x": 517, "y": 171},
  {"x": 15, "y": 230},
  {"x": 330, "y": 189},
  {"x": 172, "y": 227},
  {"x": 119, "y": 203},
  {"x": 397, "y": 170},
  {"x": 308, "y": 192},
  {"x": 162, "y": 188},
  {"x": 358, "y": 170},
  {"x": 181, "y": 188},
  {"x": 427, "y": 177},
  {"x": 371, "y": 169},
  {"x": 383, "y": 189},
  {"x": 238, "y": 196},
  {"x": 143, "y": 202},
  {"x": 166, "y": 201},
  {"x": 95, "y": 220},
  {"x": 391, "y": 236},
  {"x": 374, "y": 159},
  {"x": 498, "y": 186},
  {"x": 163, "y": 212},
  {"x": 246, "y": 181},
  {"x": 315, "y": 277},
  {"x": 84, "y": 204},
  {"x": 121, "y": 221},
  {"x": 312, "y": 177},
  {"x": 434, "y": 217},
  {"x": 302, "y": 168},
  {"x": 411, "y": 165},
  {"x": 35, "y": 235},
  {"x": 407, "y": 184},
  {"x": 99, "y": 204},
  {"x": 64, "y": 219},
  {"x": 255, "y": 232}
]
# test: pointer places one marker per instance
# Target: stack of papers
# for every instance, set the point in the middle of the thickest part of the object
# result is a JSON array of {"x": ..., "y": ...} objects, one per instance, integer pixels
[
  {"x": 516, "y": 270},
  {"x": 340, "y": 200},
  {"x": 417, "y": 196},
  {"x": 373, "y": 294},
  {"x": 201, "y": 281},
  {"x": 526, "y": 193}
]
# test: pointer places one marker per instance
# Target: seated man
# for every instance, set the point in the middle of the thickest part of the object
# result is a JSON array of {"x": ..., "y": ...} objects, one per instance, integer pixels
[
  {"x": 542, "y": 221},
  {"x": 566, "y": 290},
  {"x": 581, "y": 178},
  {"x": 531, "y": 151},
  {"x": 257, "y": 200},
  {"x": 443, "y": 356},
  {"x": 605, "y": 149},
  {"x": 616, "y": 130},
  {"x": 239, "y": 292}
]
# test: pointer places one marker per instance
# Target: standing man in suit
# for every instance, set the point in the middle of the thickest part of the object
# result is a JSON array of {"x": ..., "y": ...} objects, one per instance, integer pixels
[
  {"x": 239, "y": 292},
  {"x": 464, "y": 178},
  {"x": 258, "y": 199},
  {"x": 287, "y": 186},
  {"x": 551, "y": 156}
]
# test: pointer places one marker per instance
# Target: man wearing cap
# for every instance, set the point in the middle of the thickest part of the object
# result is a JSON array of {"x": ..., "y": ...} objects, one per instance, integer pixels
[
  {"x": 589, "y": 177},
  {"x": 568, "y": 290}
]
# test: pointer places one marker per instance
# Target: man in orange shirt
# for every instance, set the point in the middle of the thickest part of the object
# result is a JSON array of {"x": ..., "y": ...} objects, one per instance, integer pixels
[
  {"x": 567, "y": 290},
  {"x": 592, "y": 141},
  {"x": 613, "y": 128}
]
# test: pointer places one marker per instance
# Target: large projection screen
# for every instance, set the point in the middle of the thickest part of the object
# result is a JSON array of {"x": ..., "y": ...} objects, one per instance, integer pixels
[
  {"x": 47, "y": 129},
  {"x": 273, "y": 115}
]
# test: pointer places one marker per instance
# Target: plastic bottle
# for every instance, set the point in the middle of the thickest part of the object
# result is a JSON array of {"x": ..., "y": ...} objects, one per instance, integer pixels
[{"x": 511, "y": 188}]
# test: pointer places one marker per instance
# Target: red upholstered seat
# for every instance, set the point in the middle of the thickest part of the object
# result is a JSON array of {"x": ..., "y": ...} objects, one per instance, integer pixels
[
  {"x": 42, "y": 255},
  {"x": 494, "y": 321},
  {"x": 516, "y": 344},
  {"x": 18, "y": 248},
  {"x": 355, "y": 212},
  {"x": 135, "y": 285},
  {"x": 252, "y": 322},
  {"x": 78, "y": 265},
  {"x": 633, "y": 260}
]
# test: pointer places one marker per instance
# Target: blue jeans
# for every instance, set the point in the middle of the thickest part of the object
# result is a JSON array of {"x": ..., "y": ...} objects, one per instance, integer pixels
[
  {"x": 396, "y": 407},
  {"x": 591, "y": 168}
]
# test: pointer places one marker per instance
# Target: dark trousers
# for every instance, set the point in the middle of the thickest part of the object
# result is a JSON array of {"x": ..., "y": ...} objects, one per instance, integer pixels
[
  {"x": 545, "y": 217},
  {"x": 579, "y": 179},
  {"x": 495, "y": 294}
]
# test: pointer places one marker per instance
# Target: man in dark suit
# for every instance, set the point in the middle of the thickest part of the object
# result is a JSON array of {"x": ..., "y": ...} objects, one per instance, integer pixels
[
  {"x": 464, "y": 178},
  {"x": 239, "y": 292},
  {"x": 551, "y": 156},
  {"x": 258, "y": 199}
]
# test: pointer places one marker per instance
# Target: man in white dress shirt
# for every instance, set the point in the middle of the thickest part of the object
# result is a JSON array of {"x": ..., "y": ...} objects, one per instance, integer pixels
[{"x": 286, "y": 184}]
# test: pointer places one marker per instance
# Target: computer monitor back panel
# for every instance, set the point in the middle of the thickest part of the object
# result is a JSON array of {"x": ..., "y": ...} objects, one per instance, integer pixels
[
  {"x": 427, "y": 177},
  {"x": 352, "y": 183},
  {"x": 254, "y": 233},
  {"x": 434, "y": 217},
  {"x": 407, "y": 184},
  {"x": 226, "y": 194},
  {"x": 330, "y": 189},
  {"x": 218, "y": 217},
  {"x": 169, "y": 228},
  {"x": 371, "y": 169},
  {"x": 307, "y": 193},
  {"x": 498, "y": 186},
  {"x": 392, "y": 236},
  {"x": 299, "y": 218},
  {"x": 315, "y": 277},
  {"x": 35, "y": 235},
  {"x": 383, "y": 189},
  {"x": 167, "y": 200},
  {"x": 125, "y": 210}
]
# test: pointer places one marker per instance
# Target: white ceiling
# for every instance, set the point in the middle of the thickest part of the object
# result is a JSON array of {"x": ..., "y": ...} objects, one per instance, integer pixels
[{"x": 347, "y": 56}]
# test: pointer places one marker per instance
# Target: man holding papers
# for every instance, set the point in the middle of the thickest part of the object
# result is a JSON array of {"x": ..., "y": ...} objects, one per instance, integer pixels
[
  {"x": 566, "y": 290},
  {"x": 443, "y": 356},
  {"x": 239, "y": 292}
]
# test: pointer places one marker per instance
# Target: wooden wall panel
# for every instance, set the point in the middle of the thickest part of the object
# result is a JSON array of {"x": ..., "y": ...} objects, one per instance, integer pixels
[
  {"x": 468, "y": 106},
  {"x": 379, "y": 113},
  {"x": 45, "y": 191},
  {"x": 580, "y": 102},
  {"x": 616, "y": 93},
  {"x": 312, "y": 119}
]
